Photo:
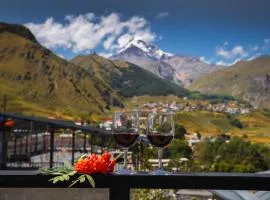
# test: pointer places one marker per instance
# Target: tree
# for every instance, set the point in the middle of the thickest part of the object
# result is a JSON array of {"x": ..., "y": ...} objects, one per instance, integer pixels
[
  {"x": 237, "y": 123},
  {"x": 237, "y": 155},
  {"x": 177, "y": 149},
  {"x": 180, "y": 131}
]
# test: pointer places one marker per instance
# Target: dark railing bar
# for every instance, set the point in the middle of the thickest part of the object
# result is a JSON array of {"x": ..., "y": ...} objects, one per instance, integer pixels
[
  {"x": 120, "y": 185},
  {"x": 58, "y": 123},
  {"x": 182, "y": 180}
]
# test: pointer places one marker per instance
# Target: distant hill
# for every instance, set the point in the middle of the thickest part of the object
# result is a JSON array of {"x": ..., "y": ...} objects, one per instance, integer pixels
[
  {"x": 249, "y": 80},
  {"x": 127, "y": 78},
  {"x": 37, "y": 80}
]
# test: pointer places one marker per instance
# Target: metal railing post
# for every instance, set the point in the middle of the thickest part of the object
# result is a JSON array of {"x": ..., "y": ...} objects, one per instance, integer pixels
[
  {"x": 84, "y": 142},
  {"x": 73, "y": 146},
  {"x": 51, "y": 146},
  {"x": 119, "y": 193}
]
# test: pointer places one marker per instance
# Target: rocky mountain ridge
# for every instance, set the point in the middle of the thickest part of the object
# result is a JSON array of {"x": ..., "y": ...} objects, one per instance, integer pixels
[{"x": 181, "y": 70}]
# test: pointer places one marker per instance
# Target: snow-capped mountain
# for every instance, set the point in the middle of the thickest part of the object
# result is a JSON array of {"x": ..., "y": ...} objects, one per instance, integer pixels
[
  {"x": 150, "y": 50},
  {"x": 179, "y": 69}
]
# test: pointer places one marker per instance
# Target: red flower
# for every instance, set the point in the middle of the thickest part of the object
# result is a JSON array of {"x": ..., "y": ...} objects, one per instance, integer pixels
[{"x": 95, "y": 164}]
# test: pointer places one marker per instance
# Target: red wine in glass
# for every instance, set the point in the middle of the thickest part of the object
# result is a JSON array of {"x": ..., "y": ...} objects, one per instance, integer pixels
[
  {"x": 125, "y": 132},
  {"x": 160, "y": 132},
  {"x": 125, "y": 139},
  {"x": 159, "y": 140}
]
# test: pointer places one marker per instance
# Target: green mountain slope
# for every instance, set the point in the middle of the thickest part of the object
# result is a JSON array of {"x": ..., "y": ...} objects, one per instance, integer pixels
[
  {"x": 249, "y": 80},
  {"x": 128, "y": 79},
  {"x": 36, "y": 79}
]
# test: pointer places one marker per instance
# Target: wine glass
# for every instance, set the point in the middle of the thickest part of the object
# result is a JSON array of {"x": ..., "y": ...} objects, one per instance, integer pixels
[
  {"x": 160, "y": 132},
  {"x": 125, "y": 132}
]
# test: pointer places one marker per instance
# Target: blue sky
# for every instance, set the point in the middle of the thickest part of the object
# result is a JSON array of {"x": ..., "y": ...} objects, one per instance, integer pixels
[{"x": 220, "y": 32}]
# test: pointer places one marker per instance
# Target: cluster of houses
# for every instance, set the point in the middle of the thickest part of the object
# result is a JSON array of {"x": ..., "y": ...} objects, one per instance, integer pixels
[{"x": 230, "y": 108}]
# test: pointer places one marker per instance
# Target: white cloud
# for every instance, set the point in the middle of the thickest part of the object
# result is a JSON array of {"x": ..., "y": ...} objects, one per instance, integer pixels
[
  {"x": 140, "y": 35},
  {"x": 60, "y": 55},
  {"x": 203, "y": 59},
  {"x": 228, "y": 63},
  {"x": 229, "y": 54},
  {"x": 254, "y": 56},
  {"x": 255, "y": 48},
  {"x": 266, "y": 44},
  {"x": 226, "y": 43},
  {"x": 222, "y": 63},
  {"x": 222, "y": 52},
  {"x": 237, "y": 53},
  {"x": 87, "y": 31},
  {"x": 162, "y": 15},
  {"x": 107, "y": 44},
  {"x": 106, "y": 55}
]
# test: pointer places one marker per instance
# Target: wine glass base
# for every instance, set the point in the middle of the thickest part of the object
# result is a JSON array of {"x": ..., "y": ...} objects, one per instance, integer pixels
[
  {"x": 125, "y": 171},
  {"x": 160, "y": 172}
]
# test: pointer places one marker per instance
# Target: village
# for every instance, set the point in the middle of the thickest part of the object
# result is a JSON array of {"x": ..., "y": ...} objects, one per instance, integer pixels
[{"x": 228, "y": 108}]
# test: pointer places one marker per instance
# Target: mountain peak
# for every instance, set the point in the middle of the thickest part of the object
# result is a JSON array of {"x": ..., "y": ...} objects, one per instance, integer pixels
[
  {"x": 181, "y": 70},
  {"x": 149, "y": 49},
  {"x": 18, "y": 30}
]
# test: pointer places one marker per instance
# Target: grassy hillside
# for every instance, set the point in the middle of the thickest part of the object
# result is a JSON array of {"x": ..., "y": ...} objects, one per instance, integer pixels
[
  {"x": 128, "y": 79},
  {"x": 256, "y": 124},
  {"x": 249, "y": 80},
  {"x": 40, "y": 82}
]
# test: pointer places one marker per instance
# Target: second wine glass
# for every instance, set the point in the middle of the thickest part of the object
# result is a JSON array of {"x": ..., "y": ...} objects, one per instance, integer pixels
[
  {"x": 160, "y": 132},
  {"x": 125, "y": 132}
]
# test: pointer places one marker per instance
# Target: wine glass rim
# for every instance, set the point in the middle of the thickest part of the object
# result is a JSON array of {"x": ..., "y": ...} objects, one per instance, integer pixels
[
  {"x": 162, "y": 113},
  {"x": 126, "y": 112},
  {"x": 148, "y": 112}
]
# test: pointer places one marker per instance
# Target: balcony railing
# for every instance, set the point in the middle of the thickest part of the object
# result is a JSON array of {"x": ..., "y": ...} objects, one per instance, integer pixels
[{"x": 120, "y": 185}]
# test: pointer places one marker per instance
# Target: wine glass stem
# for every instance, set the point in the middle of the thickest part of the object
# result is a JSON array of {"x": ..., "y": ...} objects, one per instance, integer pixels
[
  {"x": 160, "y": 153},
  {"x": 125, "y": 158}
]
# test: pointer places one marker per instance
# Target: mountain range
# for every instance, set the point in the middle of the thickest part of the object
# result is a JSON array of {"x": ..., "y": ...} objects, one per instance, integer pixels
[
  {"x": 248, "y": 80},
  {"x": 181, "y": 70},
  {"x": 40, "y": 81}
]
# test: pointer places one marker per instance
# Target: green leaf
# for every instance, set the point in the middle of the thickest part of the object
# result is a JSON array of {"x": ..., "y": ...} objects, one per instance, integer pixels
[
  {"x": 91, "y": 180},
  {"x": 59, "y": 178},
  {"x": 55, "y": 180},
  {"x": 72, "y": 173},
  {"x": 56, "y": 173},
  {"x": 66, "y": 177},
  {"x": 82, "y": 179}
]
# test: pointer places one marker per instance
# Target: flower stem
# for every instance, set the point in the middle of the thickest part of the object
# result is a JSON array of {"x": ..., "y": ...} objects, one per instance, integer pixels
[{"x": 125, "y": 158}]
